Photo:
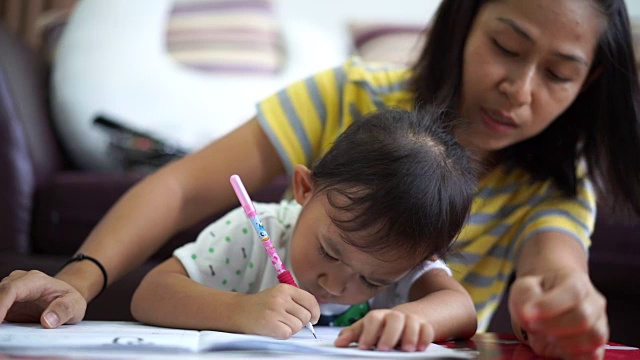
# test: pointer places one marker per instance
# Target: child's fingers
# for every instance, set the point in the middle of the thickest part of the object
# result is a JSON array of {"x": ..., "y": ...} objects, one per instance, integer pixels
[
  {"x": 308, "y": 302},
  {"x": 411, "y": 334},
  {"x": 373, "y": 324},
  {"x": 349, "y": 334},
  {"x": 427, "y": 335},
  {"x": 299, "y": 312},
  {"x": 393, "y": 327}
]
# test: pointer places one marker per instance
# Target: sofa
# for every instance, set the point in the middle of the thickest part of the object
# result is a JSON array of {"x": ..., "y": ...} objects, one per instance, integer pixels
[{"x": 48, "y": 205}]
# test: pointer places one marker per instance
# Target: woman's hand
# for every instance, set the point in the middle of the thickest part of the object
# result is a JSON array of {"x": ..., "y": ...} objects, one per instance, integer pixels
[
  {"x": 280, "y": 311},
  {"x": 387, "y": 329},
  {"x": 36, "y": 297},
  {"x": 561, "y": 313}
]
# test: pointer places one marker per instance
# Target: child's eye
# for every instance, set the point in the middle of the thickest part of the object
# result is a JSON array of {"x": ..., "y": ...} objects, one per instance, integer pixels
[
  {"x": 368, "y": 284},
  {"x": 503, "y": 49},
  {"x": 325, "y": 254}
]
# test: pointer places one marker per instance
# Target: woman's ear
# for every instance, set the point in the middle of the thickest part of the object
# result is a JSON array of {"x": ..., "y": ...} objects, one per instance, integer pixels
[{"x": 302, "y": 184}]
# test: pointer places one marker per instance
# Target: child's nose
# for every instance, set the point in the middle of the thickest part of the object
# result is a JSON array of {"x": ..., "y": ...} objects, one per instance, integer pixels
[{"x": 332, "y": 284}]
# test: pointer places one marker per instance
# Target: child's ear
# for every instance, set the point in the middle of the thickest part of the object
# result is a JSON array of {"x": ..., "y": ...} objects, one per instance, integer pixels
[{"x": 302, "y": 184}]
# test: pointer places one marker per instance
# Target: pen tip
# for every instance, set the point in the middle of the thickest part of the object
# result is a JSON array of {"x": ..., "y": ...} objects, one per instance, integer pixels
[{"x": 314, "y": 335}]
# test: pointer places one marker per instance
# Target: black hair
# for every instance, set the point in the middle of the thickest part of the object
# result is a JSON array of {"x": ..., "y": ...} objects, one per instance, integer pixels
[
  {"x": 402, "y": 177},
  {"x": 602, "y": 125}
]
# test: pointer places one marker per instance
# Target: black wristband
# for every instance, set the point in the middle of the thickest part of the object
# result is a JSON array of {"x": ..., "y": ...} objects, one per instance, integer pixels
[{"x": 80, "y": 257}]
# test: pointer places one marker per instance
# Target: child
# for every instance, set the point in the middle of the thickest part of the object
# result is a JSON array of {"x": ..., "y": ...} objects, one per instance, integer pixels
[{"x": 365, "y": 229}]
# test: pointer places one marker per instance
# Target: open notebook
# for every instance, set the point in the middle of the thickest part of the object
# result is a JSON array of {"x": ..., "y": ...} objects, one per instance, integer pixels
[{"x": 131, "y": 336}]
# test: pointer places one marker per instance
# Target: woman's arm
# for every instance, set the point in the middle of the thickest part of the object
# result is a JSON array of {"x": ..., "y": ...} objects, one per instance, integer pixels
[
  {"x": 176, "y": 196},
  {"x": 440, "y": 309},
  {"x": 168, "y": 297},
  {"x": 554, "y": 301}
]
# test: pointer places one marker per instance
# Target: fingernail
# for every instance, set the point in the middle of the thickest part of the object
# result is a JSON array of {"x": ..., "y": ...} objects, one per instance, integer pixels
[
  {"x": 52, "y": 319},
  {"x": 409, "y": 348}
]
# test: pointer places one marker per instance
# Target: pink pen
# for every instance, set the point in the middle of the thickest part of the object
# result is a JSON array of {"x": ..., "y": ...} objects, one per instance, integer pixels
[{"x": 284, "y": 276}]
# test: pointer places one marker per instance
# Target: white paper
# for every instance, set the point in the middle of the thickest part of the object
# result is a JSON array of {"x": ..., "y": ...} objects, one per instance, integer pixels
[{"x": 131, "y": 336}]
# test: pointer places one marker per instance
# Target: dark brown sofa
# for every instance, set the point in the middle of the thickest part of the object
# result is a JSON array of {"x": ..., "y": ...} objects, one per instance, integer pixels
[{"x": 47, "y": 206}]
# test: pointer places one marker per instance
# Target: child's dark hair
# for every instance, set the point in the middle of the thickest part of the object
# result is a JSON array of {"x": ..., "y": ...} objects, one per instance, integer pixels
[
  {"x": 402, "y": 177},
  {"x": 602, "y": 125}
]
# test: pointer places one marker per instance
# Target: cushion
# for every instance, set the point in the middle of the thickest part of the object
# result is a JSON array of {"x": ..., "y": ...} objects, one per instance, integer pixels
[
  {"x": 225, "y": 35},
  {"x": 394, "y": 42},
  {"x": 112, "y": 61}
]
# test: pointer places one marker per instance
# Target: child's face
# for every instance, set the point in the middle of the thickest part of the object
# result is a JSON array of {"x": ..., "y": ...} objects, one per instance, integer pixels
[
  {"x": 524, "y": 64},
  {"x": 330, "y": 269}
]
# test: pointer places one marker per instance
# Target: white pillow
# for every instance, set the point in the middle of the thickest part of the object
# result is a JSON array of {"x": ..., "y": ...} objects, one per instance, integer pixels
[{"x": 112, "y": 60}]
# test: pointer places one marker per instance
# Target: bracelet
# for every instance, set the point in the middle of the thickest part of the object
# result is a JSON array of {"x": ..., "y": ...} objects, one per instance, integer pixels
[{"x": 80, "y": 257}]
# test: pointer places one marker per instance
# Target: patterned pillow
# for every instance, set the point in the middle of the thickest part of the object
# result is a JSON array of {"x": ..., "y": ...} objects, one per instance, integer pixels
[
  {"x": 225, "y": 35},
  {"x": 385, "y": 41}
]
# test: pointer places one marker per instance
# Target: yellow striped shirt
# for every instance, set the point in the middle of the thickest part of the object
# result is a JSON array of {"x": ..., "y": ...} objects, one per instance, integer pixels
[{"x": 303, "y": 120}]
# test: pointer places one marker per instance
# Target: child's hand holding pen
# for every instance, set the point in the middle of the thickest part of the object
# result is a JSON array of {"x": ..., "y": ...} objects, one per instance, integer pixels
[
  {"x": 284, "y": 276},
  {"x": 280, "y": 311}
]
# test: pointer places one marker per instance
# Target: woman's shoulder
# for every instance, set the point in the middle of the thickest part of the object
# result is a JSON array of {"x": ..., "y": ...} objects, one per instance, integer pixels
[
  {"x": 383, "y": 81},
  {"x": 356, "y": 69}
]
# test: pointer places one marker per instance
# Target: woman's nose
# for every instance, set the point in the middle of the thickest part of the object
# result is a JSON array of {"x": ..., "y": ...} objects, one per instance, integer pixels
[
  {"x": 334, "y": 283},
  {"x": 518, "y": 86}
]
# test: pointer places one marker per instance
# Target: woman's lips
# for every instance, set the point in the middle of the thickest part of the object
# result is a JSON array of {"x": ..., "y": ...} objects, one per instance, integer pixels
[{"x": 496, "y": 121}]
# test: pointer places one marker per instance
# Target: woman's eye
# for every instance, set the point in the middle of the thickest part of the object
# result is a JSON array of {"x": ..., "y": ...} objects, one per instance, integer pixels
[
  {"x": 503, "y": 49},
  {"x": 325, "y": 254},
  {"x": 556, "y": 77},
  {"x": 368, "y": 284}
]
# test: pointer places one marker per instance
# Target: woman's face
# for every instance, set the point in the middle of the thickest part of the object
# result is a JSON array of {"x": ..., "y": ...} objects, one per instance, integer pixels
[{"x": 524, "y": 63}]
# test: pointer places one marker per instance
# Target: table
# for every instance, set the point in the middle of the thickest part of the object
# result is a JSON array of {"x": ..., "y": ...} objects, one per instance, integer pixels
[
  {"x": 506, "y": 346},
  {"x": 480, "y": 346}
]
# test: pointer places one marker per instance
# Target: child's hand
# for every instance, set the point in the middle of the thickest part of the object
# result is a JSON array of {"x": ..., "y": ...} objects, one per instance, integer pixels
[
  {"x": 280, "y": 311},
  {"x": 386, "y": 329},
  {"x": 562, "y": 314}
]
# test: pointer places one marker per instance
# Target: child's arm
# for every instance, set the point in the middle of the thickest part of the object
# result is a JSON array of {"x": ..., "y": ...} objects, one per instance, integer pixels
[
  {"x": 168, "y": 297},
  {"x": 554, "y": 301},
  {"x": 440, "y": 309}
]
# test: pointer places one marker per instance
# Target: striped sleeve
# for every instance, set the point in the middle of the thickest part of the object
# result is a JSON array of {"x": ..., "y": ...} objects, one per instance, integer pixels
[
  {"x": 297, "y": 120},
  {"x": 574, "y": 217}
]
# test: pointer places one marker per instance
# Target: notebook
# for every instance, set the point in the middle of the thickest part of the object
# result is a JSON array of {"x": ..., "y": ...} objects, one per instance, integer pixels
[{"x": 135, "y": 337}]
